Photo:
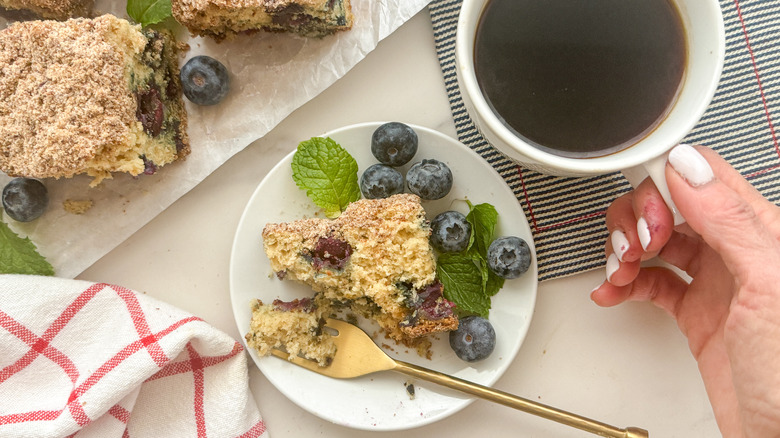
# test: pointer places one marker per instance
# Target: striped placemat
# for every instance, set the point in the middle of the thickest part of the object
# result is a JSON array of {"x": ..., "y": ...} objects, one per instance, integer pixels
[{"x": 566, "y": 215}]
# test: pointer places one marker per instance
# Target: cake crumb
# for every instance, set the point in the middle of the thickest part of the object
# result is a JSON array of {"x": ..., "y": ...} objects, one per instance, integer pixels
[
  {"x": 409, "y": 389},
  {"x": 77, "y": 206}
]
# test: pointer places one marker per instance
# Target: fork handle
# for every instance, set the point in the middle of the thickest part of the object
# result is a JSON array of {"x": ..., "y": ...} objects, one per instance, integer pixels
[{"x": 520, "y": 403}]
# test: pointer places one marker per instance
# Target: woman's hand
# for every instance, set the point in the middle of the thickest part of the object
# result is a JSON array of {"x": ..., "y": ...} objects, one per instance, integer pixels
[{"x": 730, "y": 310}]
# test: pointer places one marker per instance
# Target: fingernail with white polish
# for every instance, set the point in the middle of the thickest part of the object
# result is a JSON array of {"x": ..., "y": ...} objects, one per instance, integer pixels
[
  {"x": 612, "y": 266},
  {"x": 691, "y": 165},
  {"x": 643, "y": 231},
  {"x": 619, "y": 243}
]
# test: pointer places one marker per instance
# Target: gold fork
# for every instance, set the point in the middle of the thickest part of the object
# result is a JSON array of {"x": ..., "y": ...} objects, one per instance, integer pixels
[{"x": 358, "y": 355}]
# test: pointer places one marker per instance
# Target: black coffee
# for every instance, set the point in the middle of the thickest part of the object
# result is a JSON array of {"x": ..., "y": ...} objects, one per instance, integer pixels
[{"x": 580, "y": 78}]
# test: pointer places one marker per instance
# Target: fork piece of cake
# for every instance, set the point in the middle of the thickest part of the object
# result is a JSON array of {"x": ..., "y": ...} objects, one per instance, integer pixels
[
  {"x": 89, "y": 96},
  {"x": 292, "y": 326},
  {"x": 56, "y": 9},
  {"x": 221, "y": 18},
  {"x": 375, "y": 258}
]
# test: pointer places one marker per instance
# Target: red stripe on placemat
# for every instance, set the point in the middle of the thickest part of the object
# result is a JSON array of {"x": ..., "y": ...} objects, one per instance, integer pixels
[
  {"x": 761, "y": 92},
  {"x": 527, "y": 198}
]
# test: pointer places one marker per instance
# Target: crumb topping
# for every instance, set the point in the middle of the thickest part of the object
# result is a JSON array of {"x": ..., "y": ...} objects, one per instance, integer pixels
[
  {"x": 57, "y": 9},
  {"x": 77, "y": 206},
  {"x": 63, "y": 93}
]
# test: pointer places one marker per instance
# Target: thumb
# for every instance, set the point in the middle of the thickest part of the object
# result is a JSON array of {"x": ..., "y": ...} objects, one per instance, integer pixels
[{"x": 720, "y": 206}]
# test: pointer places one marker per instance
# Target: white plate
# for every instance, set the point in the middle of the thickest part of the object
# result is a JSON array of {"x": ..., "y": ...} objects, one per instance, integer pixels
[{"x": 380, "y": 401}]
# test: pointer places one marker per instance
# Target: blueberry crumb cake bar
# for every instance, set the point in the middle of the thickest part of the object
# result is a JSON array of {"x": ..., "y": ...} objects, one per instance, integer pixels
[
  {"x": 221, "y": 18},
  {"x": 375, "y": 259},
  {"x": 55, "y": 9},
  {"x": 89, "y": 96}
]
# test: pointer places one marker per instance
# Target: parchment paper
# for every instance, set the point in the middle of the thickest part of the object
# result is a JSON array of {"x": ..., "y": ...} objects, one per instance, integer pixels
[{"x": 272, "y": 74}]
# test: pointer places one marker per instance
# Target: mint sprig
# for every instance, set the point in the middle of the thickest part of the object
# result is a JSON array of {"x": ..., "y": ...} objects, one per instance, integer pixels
[
  {"x": 146, "y": 12},
  {"x": 467, "y": 280},
  {"x": 19, "y": 255},
  {"x": 328, "y": 174},
  {"x": 462, "y": 281}
]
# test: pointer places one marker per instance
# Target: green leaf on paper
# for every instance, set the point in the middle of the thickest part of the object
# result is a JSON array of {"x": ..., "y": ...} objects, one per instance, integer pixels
[
  {"x": 19, "y": 255},
  {"x": 148, "y": 12}
]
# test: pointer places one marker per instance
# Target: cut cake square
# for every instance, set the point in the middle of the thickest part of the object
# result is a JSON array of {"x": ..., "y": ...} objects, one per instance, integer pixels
[
  {"x": 89, "y": 96},
  {"x": 221, "y": 18},
  {"x": 56, "y": 9}
]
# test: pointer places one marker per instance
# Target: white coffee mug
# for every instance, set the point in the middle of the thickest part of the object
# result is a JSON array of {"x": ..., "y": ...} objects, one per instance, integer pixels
[{"x": 703, "y": 26}]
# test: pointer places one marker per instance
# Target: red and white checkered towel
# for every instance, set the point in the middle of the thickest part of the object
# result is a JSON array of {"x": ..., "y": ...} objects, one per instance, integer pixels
[{"x": 79, "y": 359}]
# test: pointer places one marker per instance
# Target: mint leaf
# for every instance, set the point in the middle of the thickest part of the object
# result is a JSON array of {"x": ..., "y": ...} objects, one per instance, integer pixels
[
  {"x": 483, "y": 219},
  {"x": 494, "y": 283},
  {"x": 328, "y": 174},
  {"x": 462, "y": 281},
  {"x": 19, "y": 256},
  {"x": 467, "y": 280},
  {"x": 148, "y": 12}
]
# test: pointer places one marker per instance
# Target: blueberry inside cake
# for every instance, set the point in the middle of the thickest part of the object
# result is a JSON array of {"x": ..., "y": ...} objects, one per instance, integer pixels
[
  {"x": 221, "y": 18},
  {"x": 374, "y": 259},
  {"x": 89, "y": 96},
  {"x": 55, "y": 9}
]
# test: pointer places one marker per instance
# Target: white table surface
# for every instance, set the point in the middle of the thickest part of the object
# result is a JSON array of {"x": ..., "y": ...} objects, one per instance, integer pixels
[{"x": 625, "y": 366}]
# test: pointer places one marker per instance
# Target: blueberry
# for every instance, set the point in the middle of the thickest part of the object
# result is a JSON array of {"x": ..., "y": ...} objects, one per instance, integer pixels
[
  {"x": 381, "y": 181},
  {"x": 429, "y": 179},
  {"x": 474, "y": 339},
  {"x": 394, "y": 144},
  {"x": 331, "y": 253},
  {"x": 450, "y": 232},
  {"x": 204, "y": 80},
  {"x": 25, "y": 199},
  {"x": 509, "y": 257}
]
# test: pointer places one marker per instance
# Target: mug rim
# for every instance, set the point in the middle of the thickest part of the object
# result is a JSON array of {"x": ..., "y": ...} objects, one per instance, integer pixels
[{"x": 646, "y": 148}]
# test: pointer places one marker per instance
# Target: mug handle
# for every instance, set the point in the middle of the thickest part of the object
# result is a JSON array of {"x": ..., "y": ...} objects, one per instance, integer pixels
[{"x": 656, "y": 170}]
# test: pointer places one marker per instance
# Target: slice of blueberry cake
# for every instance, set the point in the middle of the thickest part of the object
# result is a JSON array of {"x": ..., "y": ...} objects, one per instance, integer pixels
[
  {"x": 89, "y": 96},
  {"x": 55, "y": 9},
  {"x": 221, "y": 18},
  {"x": 375, "y": 259}
]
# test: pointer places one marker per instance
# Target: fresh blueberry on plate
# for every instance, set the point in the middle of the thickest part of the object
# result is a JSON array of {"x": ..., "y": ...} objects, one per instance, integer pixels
[
  {"x": 450, "y": 231},
  {"x": 429, "y": 179},
  {"x": 381, "y": 181},
  {"x": 394, "y": 143},
  {"x": 474, "y": 339},
  {"x": 509, "y": 257}
]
